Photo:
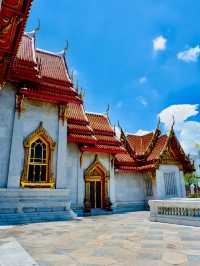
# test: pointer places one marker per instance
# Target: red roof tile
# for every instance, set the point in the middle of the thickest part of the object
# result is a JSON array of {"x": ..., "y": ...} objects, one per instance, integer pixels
[
  {"x": 103, "y": 149},
  {"x": 80, "y": 138},
  {"x": 135, "y": 169}
]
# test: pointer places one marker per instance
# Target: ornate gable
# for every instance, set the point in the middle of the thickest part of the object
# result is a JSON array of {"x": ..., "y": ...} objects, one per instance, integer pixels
[{"x": 96, "y": 169}]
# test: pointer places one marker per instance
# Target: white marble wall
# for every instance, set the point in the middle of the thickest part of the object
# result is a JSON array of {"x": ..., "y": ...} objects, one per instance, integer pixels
[
  {"x": 129, "y": 189},
  {"x": 24, "y": 125},
  {"x": 160, "y": 185},
  {"x": 7, "y": 107},
  {"x": 14, "y": 129}
]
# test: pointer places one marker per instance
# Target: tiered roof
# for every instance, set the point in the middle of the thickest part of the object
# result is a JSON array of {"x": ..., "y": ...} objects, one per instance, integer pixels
[
  {"x": 43, "y": 75},
  {"x": 147, "y": 152},
  {"x": 106, "y": 140},
  {"x": 93, "y": 133}
]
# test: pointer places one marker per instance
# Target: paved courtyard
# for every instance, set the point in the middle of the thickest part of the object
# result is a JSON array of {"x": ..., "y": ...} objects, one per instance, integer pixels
[{"x": 122, "y": 239}]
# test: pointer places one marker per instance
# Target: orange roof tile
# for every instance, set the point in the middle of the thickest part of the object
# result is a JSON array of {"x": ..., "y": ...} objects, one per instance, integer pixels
[
  {"x": 100, "y": 123},
  {"x": 139, "y": 144},
  {"x": 103, "y": 149},
  {"x": 76, "y": 113},
  {"x": 157, "y": 150},
  {"x": 74, "y": 128},
  {"x": 26, "y": 51},
  {"x": 52, "y": 66},
  {"x": 103, "y": 139},
  {"x": 124, "y": 158}
]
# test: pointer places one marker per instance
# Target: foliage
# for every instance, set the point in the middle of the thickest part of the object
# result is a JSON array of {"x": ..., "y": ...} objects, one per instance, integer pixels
[{"x": 190, "y": 179}]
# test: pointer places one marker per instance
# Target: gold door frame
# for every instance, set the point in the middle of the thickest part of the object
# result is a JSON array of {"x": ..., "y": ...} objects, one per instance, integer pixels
[{"x": 96, "y": 172}]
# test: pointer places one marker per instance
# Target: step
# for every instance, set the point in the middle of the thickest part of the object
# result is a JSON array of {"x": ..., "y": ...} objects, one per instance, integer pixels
[{"x": 36, "y": 217}]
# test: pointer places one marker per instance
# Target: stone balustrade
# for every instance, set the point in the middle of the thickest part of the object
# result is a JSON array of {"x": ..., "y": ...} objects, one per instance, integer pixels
[{"x": 179, "y": 211}]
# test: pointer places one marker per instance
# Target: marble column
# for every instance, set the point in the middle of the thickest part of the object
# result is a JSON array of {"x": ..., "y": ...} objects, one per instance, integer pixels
[
  {"x": 61, "y": 175},
  {"x": 16, "y": 152}
]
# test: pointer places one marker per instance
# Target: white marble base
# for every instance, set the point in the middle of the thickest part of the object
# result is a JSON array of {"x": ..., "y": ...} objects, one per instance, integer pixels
[{"x": 34, "y": 205}]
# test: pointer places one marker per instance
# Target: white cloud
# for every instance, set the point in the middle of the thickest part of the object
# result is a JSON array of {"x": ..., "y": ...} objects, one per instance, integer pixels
[
  {"x": 159, "y": 43},
  {"x": 143, "y": 80},
  {"x": 189, "y": 131},
  {"x": 142, "y": 100},
  {"x": 141, "y": 132},
  {"x": 190, "y": 136},
  {"x": 180, "y": 112},
  {"x": 190, "y": 55}
]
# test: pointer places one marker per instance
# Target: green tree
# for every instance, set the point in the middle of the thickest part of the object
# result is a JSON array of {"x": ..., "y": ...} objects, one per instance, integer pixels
[{"x": 190, "y": 179}]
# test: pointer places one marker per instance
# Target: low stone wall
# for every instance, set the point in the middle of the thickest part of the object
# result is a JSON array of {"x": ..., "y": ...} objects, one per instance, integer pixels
[
  {"x": 19, "y": 206},
  {"x": 177, "y": 211}
]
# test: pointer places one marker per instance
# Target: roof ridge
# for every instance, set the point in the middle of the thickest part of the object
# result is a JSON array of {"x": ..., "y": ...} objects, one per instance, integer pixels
[
  {"x": 95, "y": 113},
  {"x": 133, "y": 134},
  {"x": 48, "y": 52},
  {"x": 29, "y": 34}
]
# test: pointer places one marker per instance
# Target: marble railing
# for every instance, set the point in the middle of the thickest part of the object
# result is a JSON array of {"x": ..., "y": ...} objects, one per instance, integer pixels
[{"x": 181, "y": 211}]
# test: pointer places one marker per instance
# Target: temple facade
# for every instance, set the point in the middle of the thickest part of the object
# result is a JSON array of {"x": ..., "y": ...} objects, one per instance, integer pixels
[{"x": 55, "y": 156}]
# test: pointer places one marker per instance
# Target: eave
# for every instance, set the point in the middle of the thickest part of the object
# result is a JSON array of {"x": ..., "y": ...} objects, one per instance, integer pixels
[{"x": 13, "y": 17}]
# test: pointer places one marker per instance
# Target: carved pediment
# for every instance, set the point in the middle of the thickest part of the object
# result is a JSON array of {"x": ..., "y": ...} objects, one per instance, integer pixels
[
  {"x": 96, "y": 169},
  {"x": 167, "y": 157}
]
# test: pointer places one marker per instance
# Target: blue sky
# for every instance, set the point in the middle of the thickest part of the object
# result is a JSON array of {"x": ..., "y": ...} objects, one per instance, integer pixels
[{"x": 111, "y": 48}]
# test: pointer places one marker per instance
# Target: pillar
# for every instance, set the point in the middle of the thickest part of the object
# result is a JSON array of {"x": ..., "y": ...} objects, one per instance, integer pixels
[
  {"x": 16, "y": 152},
  {"x": 61, "y": 174}
]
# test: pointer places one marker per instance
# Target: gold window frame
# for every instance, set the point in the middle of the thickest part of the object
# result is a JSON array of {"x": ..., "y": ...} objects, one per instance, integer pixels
[{"x": 39, "y": 133}]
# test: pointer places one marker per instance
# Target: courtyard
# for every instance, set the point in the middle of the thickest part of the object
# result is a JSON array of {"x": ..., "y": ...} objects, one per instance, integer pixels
[{"x": 120, "y": 239}]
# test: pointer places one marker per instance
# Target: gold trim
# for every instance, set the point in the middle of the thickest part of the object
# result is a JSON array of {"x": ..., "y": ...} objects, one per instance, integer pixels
[
  {"x": 63, "y": 113},
  {"x": 94, "y": 173},
  {"x": 41, "y": 133},
  {"x": 19, "y": 104}
]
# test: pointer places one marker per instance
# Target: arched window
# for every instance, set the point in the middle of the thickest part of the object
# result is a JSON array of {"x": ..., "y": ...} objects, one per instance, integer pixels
[
  {"x": 37, "y": 170},
  {"x": 38, "y": 161}
]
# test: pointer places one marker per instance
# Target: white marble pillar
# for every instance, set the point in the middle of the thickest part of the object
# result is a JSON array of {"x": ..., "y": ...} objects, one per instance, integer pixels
[
  {"x": 160, "y": 185},
  {"x": 16, "y": 153},
  {"x": 61, "y": 174},
  {"x": 112, "y": 184},
  {"x": 80, "y": 182},
  {"x": 182, "y": 182}
]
